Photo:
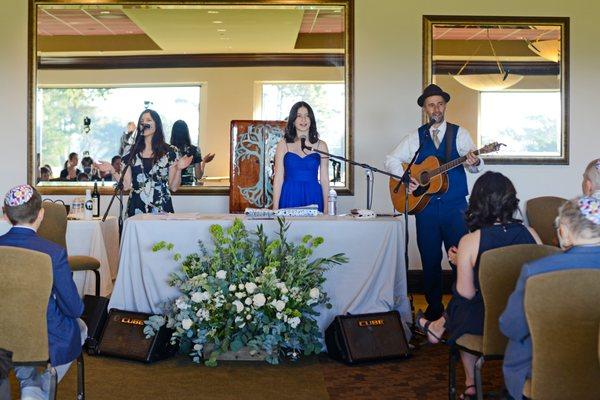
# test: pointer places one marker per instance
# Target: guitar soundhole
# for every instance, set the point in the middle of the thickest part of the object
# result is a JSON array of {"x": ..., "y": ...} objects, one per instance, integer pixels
[{"x": 424, "y": 178}]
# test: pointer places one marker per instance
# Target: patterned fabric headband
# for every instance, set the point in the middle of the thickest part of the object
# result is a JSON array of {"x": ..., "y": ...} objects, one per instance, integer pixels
[
  {"x": 590, "y": 209},
  {"x": 18, "y": 195}
]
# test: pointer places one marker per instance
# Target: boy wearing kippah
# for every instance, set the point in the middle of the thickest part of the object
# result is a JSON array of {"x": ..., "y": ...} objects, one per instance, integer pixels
[{"x": 66, "y": 332}]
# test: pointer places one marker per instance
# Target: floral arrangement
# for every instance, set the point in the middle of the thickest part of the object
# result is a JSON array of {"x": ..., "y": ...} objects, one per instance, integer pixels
[{"x": 250, "y": 291}]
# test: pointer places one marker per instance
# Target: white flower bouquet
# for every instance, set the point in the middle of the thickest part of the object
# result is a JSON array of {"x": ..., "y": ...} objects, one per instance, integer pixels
[{"x": 250, "y": 291}]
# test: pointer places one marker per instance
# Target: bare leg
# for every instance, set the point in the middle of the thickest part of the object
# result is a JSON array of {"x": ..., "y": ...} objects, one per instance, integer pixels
[
  {"x": 468, "y": 362},
  {"x": 437, "y": 328}
]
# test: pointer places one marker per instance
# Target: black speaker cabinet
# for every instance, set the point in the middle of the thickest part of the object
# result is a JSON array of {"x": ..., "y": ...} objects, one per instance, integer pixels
[
  {"x": 366, "y": 337},
  {"x": 124, "y": 337}
]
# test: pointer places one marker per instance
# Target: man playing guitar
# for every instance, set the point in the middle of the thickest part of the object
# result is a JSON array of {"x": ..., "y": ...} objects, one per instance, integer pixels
[{"x": 442, "y": 220}]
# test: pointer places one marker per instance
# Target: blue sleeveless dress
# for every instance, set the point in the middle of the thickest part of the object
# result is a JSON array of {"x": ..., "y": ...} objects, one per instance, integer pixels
[
  {"x": 466, "y": 315},
  {"x": 301, "y": 186}
]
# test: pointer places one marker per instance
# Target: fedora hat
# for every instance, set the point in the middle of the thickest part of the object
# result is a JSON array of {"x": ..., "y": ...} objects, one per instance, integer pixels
[{"x": 432, "y": 90}]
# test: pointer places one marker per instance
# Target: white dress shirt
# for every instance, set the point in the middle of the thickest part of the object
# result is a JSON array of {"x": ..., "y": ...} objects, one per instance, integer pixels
[{"x": 405, "y": 151}]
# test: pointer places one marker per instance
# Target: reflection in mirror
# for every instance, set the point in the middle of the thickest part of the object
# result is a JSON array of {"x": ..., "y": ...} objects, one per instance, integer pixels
[
  {"x": 508, "y": 79},
  {"x": 98, "y": 66}
]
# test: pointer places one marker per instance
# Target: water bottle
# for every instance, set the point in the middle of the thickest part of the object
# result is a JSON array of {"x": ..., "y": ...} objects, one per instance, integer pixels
[
  {"x": 88, "y": 205},
  {"x": 332, "y": 202}
]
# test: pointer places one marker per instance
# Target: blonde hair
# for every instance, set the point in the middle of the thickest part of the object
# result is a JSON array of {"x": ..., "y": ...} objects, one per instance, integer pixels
[
  {"x": 571, "y": 215},
  {"x": 592, "y": 174}
]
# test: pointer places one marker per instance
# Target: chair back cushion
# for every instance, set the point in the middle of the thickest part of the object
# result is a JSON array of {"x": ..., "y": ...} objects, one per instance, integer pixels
[
  {"x": 25, "y": 288},
  {"x": 499, "y": 271},
  {"x": 563, "y": 312},
  {"x": 541, "y": 213},
  {"x": 54, "y": 224}
]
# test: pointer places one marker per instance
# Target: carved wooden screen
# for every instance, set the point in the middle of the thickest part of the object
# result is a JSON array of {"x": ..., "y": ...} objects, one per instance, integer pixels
[{"x": 253, "y": 144}]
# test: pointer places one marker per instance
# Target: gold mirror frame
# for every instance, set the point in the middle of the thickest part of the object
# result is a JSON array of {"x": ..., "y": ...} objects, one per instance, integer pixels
[
  {"x": 242, "y": 59},
  {"x": 430, "y": 20}
]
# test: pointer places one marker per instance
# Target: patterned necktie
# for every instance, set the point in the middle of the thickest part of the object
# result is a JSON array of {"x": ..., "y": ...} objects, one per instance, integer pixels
[{"x": 434, "y": 136}]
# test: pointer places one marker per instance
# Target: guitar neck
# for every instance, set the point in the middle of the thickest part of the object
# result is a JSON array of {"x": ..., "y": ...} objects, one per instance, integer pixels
[{"x": 449, "y": 165}]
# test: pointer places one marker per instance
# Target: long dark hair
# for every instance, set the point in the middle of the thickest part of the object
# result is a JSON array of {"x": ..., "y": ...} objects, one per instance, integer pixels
[
  {"x": 290, "y": 129},
  {"x": 493, "y": 199},
  {"x": 159, "y": 146},
  {"x": 180, "y": 135},
  {"x": 71, "y": 156}
]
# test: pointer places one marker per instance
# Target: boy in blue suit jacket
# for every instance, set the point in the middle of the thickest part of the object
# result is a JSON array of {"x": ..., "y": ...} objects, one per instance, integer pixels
[
  {"x": 579, "y": 233},
  {"x": 66, "y": 332}
]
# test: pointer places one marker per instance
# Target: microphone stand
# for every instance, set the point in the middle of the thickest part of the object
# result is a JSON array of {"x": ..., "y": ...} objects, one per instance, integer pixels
[{"x": 119, "y": 186}]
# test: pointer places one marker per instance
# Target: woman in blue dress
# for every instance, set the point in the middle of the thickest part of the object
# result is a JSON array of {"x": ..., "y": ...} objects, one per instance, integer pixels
[{"x": 297, "y": 173}]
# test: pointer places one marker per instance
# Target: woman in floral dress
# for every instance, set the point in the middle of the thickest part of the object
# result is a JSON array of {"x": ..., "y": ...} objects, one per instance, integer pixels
[{"x": 155, "y": 169}]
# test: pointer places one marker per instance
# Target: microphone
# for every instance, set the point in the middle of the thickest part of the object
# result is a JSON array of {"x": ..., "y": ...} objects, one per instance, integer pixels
[
  {"x": 303, "y": 144},
  {"x": 145, "y": 126}
]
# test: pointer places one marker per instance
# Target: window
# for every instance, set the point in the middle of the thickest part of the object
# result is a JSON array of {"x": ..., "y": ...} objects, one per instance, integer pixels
[
  {"x": 61, "y": 113},
  {"x": 328, "y": 103},
  {"x": 528, "y": 122}
]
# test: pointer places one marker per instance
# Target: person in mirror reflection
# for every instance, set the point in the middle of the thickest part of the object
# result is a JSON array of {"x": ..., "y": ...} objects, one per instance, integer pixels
[
  {"x": 578, "y": 230},
  {"x": 128, "y": 138},
  {"x": 44, "y": 174},
  {"x": 180, "y": 138},
  {"x": 298, "y": 172},
  {"x": 22, "y": 207},
  {"x": 89, "y": 169},
  {"x": 442, "y": 221},
  {"x": 70, "y": 172},
  {"x": 490, "y": 219},
  {"x": 591, "y": 179},
  {"x": 155, "y": 168},
  {"x": 51, "y": 173}
]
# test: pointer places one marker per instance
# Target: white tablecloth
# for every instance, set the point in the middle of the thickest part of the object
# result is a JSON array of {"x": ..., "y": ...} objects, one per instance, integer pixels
[
  {"x": 87, "y": 238},
  {"x": 373, "y": 280}
]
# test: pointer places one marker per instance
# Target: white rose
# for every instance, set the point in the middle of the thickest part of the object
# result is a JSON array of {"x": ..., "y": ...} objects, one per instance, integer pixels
[
  {"x": 259, "y": 300},
  {"x": 181, "y": 304},
  {"x": 248, "y": 301},
  {"x": 240, "y": 295},
  {"x": 197, "y": 347},
  {"x": 294, "y": 322},
  {"x": 284, "y": 289},
  {"x": 314, "y": 293},
  {"x": 197, "y": 297},
  {"x": 279, "y": 305},
  {"x": 221, "y": 274},
  {"x": 239, "y": 307},
  {"x": 186, "y": 323},
  {"x": 248, "y": 317},
  {"x": 278, "y": 315},
  {"x": 241, "y": 286},
  {"x": 232, "y": 288},
  {"x": 250, "y": 287}
]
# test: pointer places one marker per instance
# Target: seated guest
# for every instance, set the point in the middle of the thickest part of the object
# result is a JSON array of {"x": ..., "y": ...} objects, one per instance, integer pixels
[
  {"x": 591, "y": 179},
  {"x": 301, "y": 176},
  {"x": 70, "y": 172},
  {"x": 44, "y": 174},
  {"x": 491, "y": 222},
  {"x": 579, "y": 233},
  {"x": 116, "y": 167},
  {"x": 66, "y": 332},
  {"x": 83, "y": 177},
  {"x": 49, "y": 168},
  {"x": 87, "y": 163}
]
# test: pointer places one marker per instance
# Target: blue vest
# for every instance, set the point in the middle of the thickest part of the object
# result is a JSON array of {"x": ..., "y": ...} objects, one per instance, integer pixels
[{"x": 457, "y": 178}]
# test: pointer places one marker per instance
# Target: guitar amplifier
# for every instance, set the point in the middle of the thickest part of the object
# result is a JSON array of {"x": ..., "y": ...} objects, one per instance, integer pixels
[
  {"x": 366, "y": 337},
  {"x": 124, "y": 337}
]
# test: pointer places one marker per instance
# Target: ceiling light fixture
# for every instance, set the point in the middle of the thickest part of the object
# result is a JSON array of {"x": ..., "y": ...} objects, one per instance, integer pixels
[{"x": 548, "y": 49}]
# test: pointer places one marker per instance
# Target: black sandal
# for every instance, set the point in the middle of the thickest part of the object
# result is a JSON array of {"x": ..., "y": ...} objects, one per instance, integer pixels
[
  {"x": 466, "y": 396},
  {"x": 424, "y": 329}
]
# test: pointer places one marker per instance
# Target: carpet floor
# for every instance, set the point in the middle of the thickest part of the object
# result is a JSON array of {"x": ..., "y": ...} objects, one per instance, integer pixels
[{"x": 422, "y": 376}]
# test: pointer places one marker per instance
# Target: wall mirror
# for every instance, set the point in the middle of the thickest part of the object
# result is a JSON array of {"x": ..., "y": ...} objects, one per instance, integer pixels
[
  {"x": 508, "y": 78},
  {"x": 96, "y": 65}
]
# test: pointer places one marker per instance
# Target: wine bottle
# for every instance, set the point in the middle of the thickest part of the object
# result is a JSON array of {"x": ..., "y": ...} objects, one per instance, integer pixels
[{"x": 96, "y": 200}]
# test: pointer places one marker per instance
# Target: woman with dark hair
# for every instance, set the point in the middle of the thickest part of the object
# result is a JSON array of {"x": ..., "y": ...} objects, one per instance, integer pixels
[
  {"x": 155, "y": 169},
  {"x": 180, "y": 138},
  {"x": 70, "y": 172},
  {"x": 490, "y": 219},
  {"x": 297, "y": 172}
]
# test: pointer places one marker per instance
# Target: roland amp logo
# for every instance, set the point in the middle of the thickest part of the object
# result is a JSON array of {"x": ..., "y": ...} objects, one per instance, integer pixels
[
  {"x": 370, "y": 322},
  {"x": 129, "y": 320}
]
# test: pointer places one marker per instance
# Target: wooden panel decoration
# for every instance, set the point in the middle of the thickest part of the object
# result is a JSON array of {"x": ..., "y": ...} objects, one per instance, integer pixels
[{"x": 253, "y": 144}]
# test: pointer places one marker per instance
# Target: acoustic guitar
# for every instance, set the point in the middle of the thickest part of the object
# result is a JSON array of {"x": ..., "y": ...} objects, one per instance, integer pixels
[{"x": 432, "y": 180}]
